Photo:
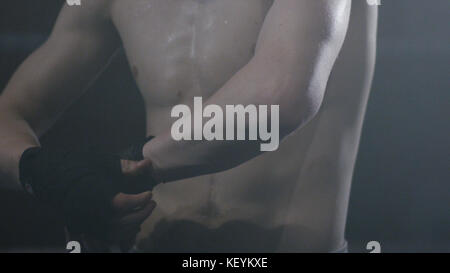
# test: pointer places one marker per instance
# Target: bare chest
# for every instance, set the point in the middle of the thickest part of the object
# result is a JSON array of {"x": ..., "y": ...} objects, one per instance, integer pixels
[{"x": 178, "y": 49}]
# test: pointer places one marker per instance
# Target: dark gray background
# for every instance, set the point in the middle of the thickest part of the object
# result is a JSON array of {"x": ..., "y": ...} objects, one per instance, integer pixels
[{"x": 401, "y": 188}]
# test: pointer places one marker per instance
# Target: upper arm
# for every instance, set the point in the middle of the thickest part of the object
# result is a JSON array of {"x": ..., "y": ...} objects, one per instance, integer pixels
[
  {"x": 58, "y": 72},
  {"x": 299, "y": 43}
]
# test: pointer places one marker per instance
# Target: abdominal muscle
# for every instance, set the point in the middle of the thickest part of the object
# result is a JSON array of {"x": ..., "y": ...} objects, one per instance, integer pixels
[
  {"x": 292, "y": 199},
  {"x": 242, "y": 209}
]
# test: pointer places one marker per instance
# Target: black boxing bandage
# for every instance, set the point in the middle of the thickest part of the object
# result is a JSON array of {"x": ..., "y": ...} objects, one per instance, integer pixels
[
  {"x": 145, "y": 181},
  {"x": 81, "y": 184},
  {"x": 134, "y": 152}
]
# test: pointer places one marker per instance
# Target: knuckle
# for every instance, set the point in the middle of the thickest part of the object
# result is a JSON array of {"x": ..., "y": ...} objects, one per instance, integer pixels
[{"x": 122, "y": 201}]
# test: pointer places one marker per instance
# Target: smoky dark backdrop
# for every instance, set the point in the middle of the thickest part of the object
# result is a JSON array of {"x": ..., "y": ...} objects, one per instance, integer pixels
[{"x": 401, "y": 188}]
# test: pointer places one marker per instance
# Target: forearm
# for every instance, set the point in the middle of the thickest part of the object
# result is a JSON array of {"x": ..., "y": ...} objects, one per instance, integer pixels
[
  {"x": 250, "y": 86},
  {"x": 15, "y": 137}
]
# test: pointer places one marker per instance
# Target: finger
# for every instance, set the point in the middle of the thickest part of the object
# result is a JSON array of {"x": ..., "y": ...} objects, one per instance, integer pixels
[
  {"x": 135, "y": 168},
  {"x": 137, "y": 217},
  {"x": 124, "y": 203}
]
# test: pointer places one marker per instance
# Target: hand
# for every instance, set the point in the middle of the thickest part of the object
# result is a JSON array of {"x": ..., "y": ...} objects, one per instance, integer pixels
[
  {"x": 139, "y": 172},
  {"x": 129, "y": 210},
  {"x": 98, "y": 194},
  {"x": 138, "y": 176}
]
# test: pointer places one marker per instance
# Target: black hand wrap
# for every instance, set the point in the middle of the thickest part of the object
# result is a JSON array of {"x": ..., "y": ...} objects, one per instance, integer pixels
[
  {"x": 145, "y": 181},
  {"x": 80, "y": 184},
  {"x": 134, "y": 152}
]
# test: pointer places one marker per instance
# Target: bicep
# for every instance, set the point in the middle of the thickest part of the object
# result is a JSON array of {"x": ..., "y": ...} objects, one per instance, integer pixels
[
  {"x": 59, "y": 71},
  {"x": 300, "y": 41},
  {"x": 294, "y": 28}
]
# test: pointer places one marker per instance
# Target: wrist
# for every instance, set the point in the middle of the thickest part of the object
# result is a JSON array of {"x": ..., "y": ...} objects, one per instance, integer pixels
[{"x": 148, "y": 153}]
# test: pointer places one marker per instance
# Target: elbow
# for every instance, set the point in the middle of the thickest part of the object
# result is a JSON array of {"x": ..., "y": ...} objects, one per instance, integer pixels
[
  {"x": 298, "y": 96},
  {"x": 296, "y": 118},
  {"x": 298, "y": 107}
]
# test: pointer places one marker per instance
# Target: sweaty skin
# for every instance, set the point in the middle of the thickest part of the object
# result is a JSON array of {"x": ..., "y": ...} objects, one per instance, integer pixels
[{"x": 293, "y": 199}]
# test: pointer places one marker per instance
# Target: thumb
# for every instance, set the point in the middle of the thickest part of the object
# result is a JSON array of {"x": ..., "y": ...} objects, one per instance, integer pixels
[
  {"x": 125, "y": 203},
  {"x": 135, "y": 168}
]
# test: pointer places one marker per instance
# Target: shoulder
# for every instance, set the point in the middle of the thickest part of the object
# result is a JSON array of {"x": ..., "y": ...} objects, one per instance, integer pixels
[
  {"x": 98, "y": 10},
  {"x": 310, "y": 21},
  {"x": 85, "y": 15}
]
